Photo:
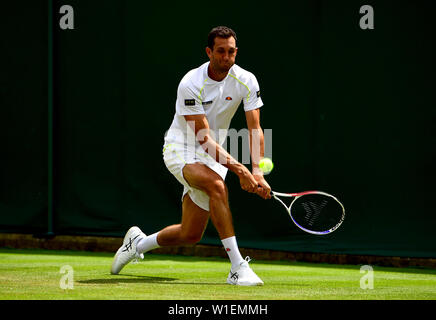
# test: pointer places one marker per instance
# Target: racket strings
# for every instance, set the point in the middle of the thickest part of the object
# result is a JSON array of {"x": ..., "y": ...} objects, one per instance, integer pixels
[
  {"x": 313, "y": 210},
  {"x": 316, "y": 212}
]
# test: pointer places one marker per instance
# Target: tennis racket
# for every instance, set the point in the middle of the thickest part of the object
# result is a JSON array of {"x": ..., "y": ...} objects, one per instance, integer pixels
[{"x": 315, "y": 212}]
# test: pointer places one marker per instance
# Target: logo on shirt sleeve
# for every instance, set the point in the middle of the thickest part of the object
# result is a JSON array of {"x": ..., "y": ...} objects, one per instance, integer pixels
[
  {"x": 206, "y": 103},
  {"x": 189, "y": 102}
]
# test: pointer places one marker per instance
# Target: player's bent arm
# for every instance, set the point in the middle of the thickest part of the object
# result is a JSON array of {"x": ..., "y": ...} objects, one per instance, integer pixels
[
  {"x": 200, "y": 126},
  {"x": 257, "y": 147},
  {"x": 257, "y": 150}
]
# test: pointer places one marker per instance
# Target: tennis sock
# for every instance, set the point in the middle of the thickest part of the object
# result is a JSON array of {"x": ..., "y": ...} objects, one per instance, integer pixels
[
  {"x": 232, "y": 250},
  {"x": 148, "y": 243}
]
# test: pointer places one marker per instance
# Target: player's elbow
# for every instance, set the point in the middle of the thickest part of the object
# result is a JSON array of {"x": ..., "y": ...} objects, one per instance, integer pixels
[{"x": 203, "y": 136}]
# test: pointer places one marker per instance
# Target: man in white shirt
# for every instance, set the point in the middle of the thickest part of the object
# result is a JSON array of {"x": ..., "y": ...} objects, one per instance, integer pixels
[{"x": 207, "y": 99}]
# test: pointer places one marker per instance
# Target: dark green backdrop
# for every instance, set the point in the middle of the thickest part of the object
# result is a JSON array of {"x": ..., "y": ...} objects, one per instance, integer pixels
[{"x": 352, "y": 113}]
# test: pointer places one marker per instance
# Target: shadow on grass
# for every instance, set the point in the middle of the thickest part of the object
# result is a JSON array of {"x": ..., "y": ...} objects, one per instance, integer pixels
[{"x": 130, "y": 278}]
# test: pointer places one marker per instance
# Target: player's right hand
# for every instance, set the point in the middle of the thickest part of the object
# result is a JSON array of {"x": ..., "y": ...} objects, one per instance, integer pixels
[{"x": 263, "y": 188}]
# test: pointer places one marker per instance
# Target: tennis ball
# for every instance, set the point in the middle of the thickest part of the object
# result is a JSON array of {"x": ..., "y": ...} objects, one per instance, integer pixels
[{"x": 266, "y": 165}]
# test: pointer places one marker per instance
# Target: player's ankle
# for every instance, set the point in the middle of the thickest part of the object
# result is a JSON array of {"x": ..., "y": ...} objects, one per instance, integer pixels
[{"x": 147, "y": 243}]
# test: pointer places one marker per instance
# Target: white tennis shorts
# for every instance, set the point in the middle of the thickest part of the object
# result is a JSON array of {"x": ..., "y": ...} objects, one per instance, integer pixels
[{"x": 176, "y": 156}]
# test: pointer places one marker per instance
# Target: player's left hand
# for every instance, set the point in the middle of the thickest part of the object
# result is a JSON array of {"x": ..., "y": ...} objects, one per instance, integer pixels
[{"x": 263, "y": 189}]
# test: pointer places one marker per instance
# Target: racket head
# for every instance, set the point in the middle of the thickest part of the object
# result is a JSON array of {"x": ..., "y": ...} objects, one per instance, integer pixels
[{"x": 315, "y": 212}]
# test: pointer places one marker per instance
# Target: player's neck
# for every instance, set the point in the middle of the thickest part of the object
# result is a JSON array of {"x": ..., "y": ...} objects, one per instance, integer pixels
[{"x": 215, "y": 75}]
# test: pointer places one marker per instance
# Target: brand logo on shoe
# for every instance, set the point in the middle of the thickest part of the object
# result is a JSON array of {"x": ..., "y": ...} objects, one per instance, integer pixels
[
  {"x": 128, "y": 246},
  {"x": 234, "y": 276}
]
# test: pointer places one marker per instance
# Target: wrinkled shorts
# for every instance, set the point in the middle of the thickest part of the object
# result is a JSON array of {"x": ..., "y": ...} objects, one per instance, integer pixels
[{"x": 176, "y": 156}]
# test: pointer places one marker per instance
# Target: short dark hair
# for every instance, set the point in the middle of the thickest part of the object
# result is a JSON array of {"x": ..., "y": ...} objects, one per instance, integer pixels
[{"x": 221, "y": 32}]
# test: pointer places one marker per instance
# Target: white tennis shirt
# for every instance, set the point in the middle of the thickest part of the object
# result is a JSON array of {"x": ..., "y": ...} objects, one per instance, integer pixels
[{"x": 199, "y": 94}]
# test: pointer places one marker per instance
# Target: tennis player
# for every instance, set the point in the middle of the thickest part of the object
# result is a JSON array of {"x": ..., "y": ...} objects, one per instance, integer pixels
[{"x": 207, "y": 99}]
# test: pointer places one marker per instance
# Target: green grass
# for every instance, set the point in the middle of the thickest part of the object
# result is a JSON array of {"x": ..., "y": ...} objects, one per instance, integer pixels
[{"x": 35, "y": 274}]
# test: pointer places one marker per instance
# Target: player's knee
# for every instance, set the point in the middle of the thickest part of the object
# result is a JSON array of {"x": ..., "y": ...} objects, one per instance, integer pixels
[
  {"x": 217, "y": 189},
  {"x": 191, "y": 238}
]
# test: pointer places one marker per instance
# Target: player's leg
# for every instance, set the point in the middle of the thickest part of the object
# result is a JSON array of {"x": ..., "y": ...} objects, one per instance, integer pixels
[
  {"x": 191, "y": 228},
  {"x": 189, "y": 231},
  {"x": 202, "y": 177},
  {"x": 194, "y": 218}
]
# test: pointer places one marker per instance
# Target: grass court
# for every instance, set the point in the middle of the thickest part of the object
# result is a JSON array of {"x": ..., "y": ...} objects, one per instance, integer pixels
[{"x": 36, "y": 275}]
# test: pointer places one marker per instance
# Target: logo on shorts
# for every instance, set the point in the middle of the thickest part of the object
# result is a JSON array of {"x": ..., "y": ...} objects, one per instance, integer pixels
[
  {"x": 229, "y": 98},
  {"x": 228, "y": 249},
  {"x": 189, "y": 102}
]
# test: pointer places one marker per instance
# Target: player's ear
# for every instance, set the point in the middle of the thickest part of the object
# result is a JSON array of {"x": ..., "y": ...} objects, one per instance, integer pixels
[{"x": 208, "y": 52}]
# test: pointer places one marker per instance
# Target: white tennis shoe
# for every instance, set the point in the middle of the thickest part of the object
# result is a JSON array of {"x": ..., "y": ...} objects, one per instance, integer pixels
[
  {"x": 127, "y": 252},
  {"x": 244, "y": 276}
]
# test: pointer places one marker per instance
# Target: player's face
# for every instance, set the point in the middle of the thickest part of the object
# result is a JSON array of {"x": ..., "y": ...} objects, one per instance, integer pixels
[{"x": 223, "y": 55}]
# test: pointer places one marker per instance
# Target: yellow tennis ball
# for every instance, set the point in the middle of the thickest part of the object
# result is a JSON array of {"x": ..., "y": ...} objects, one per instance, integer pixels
[{"x": 266, "y": 165}]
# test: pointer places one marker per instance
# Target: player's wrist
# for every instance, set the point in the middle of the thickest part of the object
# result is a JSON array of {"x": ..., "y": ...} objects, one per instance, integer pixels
[{"x": 256, "y": 171}]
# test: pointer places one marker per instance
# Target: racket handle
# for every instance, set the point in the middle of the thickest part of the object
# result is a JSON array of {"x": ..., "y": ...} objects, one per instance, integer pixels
[{"x": 274, "y": 193}]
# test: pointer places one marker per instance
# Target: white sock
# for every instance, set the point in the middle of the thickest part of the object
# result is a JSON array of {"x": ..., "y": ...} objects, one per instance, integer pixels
[
  {"x": 148, "y": 243},
  {"x": 232, "y": 250}
]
